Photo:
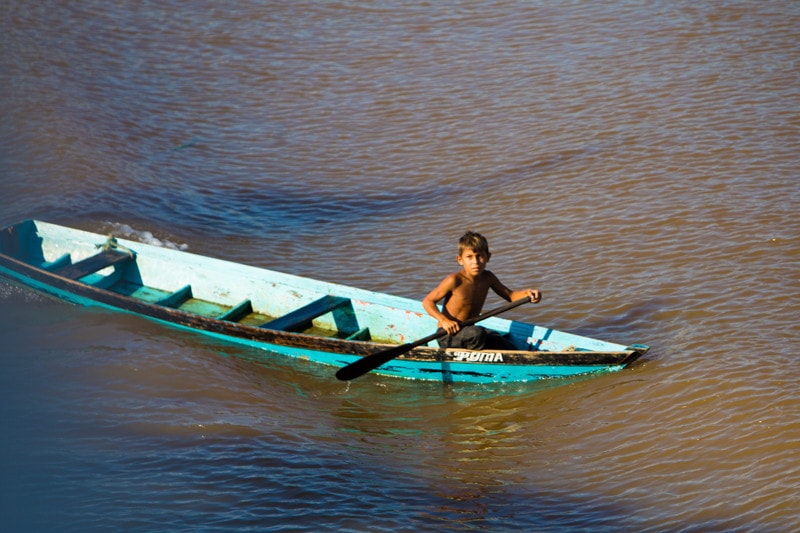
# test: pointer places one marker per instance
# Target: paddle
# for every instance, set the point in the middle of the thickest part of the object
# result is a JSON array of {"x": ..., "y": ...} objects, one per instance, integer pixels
[{"x": 369, "y": 362}]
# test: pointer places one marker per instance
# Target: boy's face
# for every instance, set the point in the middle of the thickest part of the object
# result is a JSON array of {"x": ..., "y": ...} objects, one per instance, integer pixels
[{"x": 473, "y": 261}]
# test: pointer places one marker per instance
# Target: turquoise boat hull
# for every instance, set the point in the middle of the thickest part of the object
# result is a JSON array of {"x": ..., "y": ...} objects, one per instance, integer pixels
[{"x": 294, "y": 316}]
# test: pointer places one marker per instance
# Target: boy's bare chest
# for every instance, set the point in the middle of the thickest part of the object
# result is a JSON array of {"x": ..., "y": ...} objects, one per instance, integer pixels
[{"x": 468, "y": 297}]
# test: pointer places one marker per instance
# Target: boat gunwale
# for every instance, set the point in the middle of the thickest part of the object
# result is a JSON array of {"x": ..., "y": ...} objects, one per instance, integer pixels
[
  {"x": 596, "y": 355},
  {"x": 332, "y": 345}
]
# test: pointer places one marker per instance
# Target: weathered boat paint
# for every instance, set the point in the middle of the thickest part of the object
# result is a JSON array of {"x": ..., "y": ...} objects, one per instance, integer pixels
[{"x": 290, "y": 315}]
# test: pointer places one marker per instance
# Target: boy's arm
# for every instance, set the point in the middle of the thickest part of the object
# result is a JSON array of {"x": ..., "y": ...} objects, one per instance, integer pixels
[
  {"x": 534, "y": 294},
  {"x": 507, "y": 294},
  {"x": 429, "y": 303}
]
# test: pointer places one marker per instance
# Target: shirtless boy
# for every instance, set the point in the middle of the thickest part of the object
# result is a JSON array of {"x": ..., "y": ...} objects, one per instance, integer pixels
[{"x": 464, "y": 293}]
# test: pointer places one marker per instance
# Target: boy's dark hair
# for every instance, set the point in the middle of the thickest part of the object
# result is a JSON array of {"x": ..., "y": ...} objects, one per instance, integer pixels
[{"x": 473, "y": 241}]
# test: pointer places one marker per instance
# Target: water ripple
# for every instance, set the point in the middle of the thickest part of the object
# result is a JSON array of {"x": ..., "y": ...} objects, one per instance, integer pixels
[{"x": 637, "y": 162}]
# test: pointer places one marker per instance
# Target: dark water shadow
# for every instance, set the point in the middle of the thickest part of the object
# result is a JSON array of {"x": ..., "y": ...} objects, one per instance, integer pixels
[{"x": 282, "y": 209}]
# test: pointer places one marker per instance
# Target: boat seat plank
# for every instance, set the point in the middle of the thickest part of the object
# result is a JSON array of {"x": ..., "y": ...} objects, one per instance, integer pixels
[
  {"x": 301, "y": 318},
  {"x": 62, "y": 261},
  {"x": 238, "y": 312},
  {"x": 176, "y": 298},
  {"x": 92, "y": 264},
  {"x": 360, "y": 335}
]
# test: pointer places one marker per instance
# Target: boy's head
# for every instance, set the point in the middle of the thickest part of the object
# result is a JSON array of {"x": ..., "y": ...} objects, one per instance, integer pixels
[{"x": 474, "y": 242}]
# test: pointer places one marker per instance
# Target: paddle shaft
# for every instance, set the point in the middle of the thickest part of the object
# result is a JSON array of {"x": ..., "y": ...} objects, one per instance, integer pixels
[{"x": 370, "y": 362}]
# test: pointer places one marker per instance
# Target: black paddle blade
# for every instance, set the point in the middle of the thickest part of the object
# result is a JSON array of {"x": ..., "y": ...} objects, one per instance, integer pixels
[{"x": 370, "y": 362}]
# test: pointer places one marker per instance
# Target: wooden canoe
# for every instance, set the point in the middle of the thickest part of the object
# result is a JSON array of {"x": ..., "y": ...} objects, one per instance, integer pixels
[{"x": 290, "y": 315}]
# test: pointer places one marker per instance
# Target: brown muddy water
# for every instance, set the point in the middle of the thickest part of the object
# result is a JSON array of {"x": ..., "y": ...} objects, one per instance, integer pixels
[{"x": 636, "y": 161}]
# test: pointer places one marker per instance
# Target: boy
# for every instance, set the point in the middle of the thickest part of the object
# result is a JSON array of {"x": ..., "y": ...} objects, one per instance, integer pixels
[{"x": 464, "y": 293}]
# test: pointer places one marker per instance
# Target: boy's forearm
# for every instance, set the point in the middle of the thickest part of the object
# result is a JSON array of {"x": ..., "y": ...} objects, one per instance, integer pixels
[
  {"x": 533, "y": 294},
  {"x": 432, "y": 310},
  {"x": 443, "y": 321}
]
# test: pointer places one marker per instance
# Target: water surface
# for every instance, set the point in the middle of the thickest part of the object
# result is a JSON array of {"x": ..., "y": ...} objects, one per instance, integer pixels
[{"x": 636, "y": 162}]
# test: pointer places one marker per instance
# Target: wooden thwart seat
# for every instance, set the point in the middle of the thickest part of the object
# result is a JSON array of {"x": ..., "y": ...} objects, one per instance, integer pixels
[
  {"x": 60, "y": 262},
  {"x": 360, "y": 335},
  {"x": 300, "y": 319},
  {"x": 238, "y": 312},
  {"x": 92, "y": 264},
  {"x": 176, "y": 298}
]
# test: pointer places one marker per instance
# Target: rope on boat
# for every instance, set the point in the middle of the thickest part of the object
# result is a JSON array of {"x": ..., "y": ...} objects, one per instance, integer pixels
[{"x": 112, "y": 244}]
